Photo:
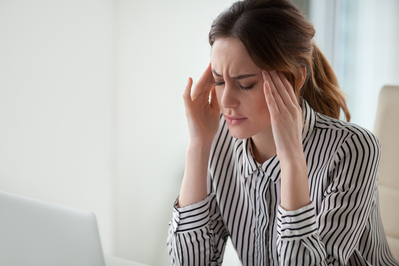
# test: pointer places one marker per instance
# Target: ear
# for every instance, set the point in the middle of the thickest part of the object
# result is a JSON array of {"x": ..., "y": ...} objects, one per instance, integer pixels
[{"x": 303, "y": 77}]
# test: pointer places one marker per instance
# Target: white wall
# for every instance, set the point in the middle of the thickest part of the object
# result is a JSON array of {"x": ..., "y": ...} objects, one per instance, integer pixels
[{"x": 56, "y": 90}]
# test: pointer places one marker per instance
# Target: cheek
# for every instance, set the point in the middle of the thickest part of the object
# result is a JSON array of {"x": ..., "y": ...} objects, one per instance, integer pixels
[
  {"x": 219, "y": 94},
  {"x": 260, "y": 108}
]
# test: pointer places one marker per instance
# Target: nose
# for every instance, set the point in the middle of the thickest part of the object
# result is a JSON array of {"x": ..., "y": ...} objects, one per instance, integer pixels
[{"x": 229, "y": 97}]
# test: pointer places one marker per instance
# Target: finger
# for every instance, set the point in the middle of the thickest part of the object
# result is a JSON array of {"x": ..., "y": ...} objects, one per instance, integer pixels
[
  {"x": 214, "y": 100},
  {"x": 280, "y": 86},
  {"x": 205, "y": 83},
  {"x": 277, "y": 98},
  {"x": 290, "y": 89},
  {"x": 187, "y": 91},
  {"x": 271, "y": 103}
]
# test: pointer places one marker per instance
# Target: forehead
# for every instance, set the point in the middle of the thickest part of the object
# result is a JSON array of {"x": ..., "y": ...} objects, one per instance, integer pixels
[{"x": 229, "y": 56}]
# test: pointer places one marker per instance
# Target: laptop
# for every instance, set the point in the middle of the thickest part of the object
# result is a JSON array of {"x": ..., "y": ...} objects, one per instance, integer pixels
[{"x": 37, "y": 233}]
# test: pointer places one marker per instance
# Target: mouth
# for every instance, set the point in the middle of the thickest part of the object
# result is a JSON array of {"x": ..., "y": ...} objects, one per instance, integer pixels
[{"x": 234, "y": 120}]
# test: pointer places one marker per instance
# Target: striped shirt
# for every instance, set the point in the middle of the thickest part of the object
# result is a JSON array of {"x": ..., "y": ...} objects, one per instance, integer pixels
[{"x": 341, "y": 225}]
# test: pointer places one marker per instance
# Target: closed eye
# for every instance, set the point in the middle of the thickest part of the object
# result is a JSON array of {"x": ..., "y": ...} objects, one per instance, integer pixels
[
  {"x": 241, "y": 87},
  {"x": 245, "y": 88}
]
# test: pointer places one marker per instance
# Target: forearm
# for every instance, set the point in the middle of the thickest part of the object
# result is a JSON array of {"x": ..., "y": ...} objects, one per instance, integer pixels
[
  {"x": 294, "y": 183},
  {"x": 194, "y": 185}
]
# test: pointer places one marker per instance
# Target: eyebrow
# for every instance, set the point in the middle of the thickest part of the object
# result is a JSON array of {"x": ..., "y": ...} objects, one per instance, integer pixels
[{"x": 237, "y": 77}]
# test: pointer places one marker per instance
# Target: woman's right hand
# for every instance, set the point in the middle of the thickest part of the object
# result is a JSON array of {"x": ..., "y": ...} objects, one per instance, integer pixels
[{"x": 202, "y": 114}]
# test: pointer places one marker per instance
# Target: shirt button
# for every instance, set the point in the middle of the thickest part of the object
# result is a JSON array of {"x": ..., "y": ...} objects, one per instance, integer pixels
[
  {"x": 287, "y": 219},
  {"x": 287, "y": 232}
]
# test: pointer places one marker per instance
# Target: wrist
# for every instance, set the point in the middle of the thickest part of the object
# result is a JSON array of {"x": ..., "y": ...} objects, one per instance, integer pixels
[
  {"x": 198, "y": 153},
  {"x": 294, "y": 183},
  {"x": 293, "y": 160},
  {"x": 200, "y": 146}
]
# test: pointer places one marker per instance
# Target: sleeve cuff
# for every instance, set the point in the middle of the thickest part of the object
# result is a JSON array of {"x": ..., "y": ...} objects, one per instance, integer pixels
[
  {"x": 192, "y": 216},
  {"x": 296, "y": 224}
]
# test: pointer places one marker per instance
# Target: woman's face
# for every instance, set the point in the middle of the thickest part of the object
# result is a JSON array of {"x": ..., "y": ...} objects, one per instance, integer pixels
[{"x": 239, "y": 89}]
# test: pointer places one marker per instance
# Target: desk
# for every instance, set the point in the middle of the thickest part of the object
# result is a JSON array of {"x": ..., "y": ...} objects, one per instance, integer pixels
[{"x": 114, "y": 261}]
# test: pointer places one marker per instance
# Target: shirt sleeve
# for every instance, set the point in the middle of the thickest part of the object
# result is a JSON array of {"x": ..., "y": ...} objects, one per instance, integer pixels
[
  {"x": 332, "y": 235},
  {"x": 197, "y": 235}
]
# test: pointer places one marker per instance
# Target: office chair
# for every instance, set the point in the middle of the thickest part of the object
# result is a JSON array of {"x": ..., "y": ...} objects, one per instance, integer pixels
[{"x": 386, "y": 128}]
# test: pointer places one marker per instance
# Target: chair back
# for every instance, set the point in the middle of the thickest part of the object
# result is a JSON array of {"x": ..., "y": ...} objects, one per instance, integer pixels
[{"x": 386, "y": 128}]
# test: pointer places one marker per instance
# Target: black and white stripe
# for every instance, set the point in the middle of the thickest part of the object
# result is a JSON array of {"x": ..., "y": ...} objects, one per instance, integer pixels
[{"x": 342, "y": 225}]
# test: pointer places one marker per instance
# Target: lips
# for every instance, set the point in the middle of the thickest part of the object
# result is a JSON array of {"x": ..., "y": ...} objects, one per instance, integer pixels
[{"x": 234, "y": 120}]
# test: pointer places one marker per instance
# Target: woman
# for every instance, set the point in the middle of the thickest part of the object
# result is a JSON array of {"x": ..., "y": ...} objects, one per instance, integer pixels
[{"x": 268, "y": 163}]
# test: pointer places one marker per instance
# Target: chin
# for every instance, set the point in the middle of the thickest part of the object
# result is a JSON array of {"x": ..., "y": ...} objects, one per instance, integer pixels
[{"x": 239, "y": 133}]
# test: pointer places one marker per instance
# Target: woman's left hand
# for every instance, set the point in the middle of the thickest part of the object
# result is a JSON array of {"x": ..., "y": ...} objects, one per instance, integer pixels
[
  {"x": 285, "y": 115},
  {"x": 286, "y": 122}
]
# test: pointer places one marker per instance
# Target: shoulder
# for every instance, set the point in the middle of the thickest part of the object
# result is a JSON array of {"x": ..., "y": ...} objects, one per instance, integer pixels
[{"x": 354, "y": 138}]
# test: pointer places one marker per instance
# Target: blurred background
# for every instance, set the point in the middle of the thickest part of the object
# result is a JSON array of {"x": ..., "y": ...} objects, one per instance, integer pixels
[{"x": 91, "y": 110}]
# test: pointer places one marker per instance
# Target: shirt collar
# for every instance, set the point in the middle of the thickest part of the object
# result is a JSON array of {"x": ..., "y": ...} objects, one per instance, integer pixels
[
  {"x": 271, "y": 167},
  {"x": 309, "y": 118}
]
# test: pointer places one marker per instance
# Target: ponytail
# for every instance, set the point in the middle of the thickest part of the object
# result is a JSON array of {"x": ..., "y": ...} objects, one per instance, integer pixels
[{"x": 322, "y": 90}]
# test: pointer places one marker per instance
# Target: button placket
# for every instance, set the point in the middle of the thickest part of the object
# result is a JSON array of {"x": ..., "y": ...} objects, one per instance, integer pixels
[
  {"x": 257, "y": 210},
  {"x": 263, "y": 213}
]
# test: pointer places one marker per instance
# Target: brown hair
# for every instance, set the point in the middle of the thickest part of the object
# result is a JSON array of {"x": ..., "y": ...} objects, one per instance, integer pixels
[{"x": 278, "y": 37}]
